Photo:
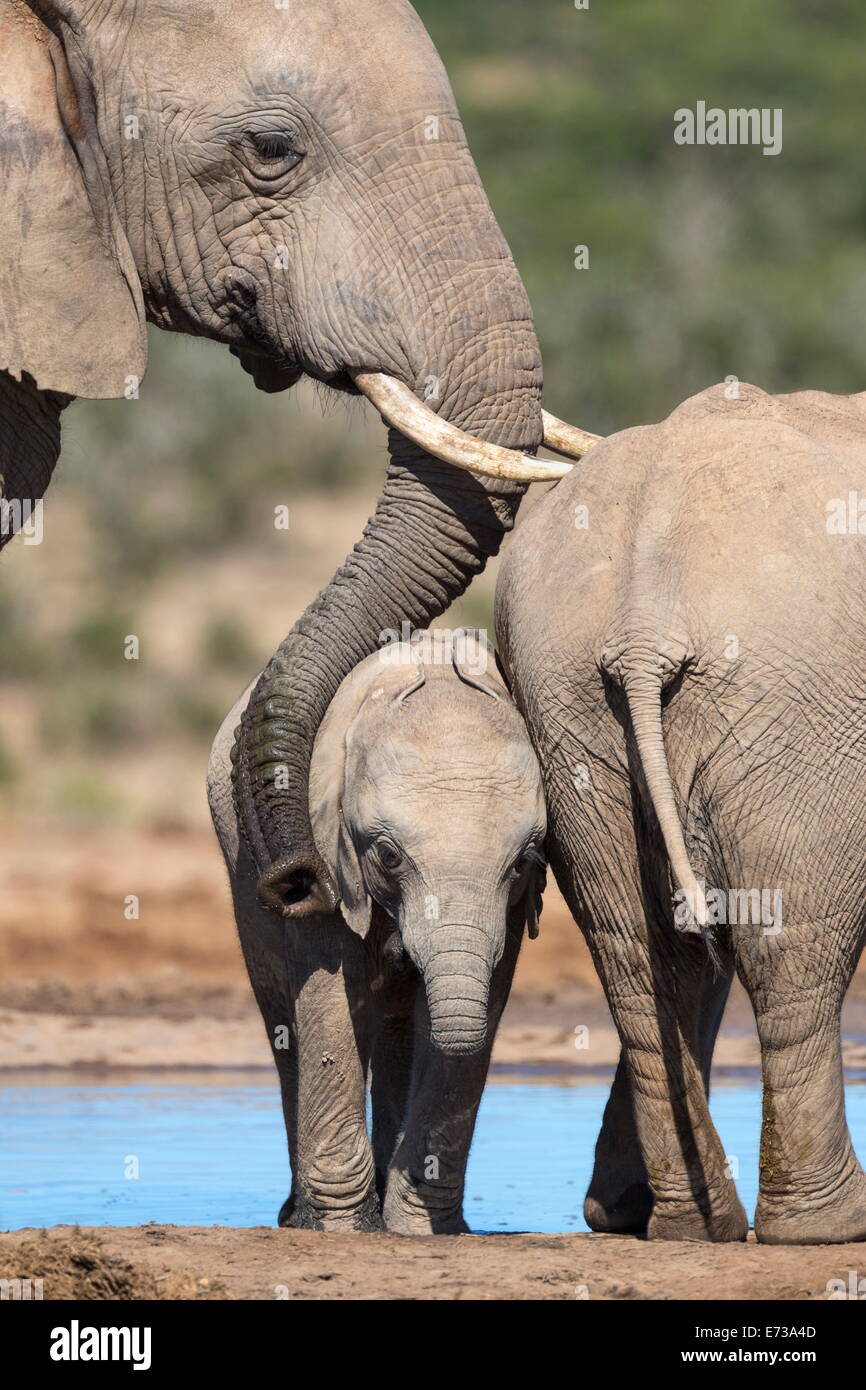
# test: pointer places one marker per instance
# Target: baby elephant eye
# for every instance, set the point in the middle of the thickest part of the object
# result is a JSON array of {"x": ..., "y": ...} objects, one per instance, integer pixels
[
  {"x": 276, "y": 147},
  {"x": 389, "y": 856}
]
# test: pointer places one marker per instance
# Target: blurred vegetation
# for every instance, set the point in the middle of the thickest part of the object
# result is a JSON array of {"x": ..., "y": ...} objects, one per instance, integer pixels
[{"x": 703, "y": 262}]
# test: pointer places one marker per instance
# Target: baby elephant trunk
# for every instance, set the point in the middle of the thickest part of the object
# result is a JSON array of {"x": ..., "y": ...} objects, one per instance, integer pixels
[{"x": 457, "y": 962}]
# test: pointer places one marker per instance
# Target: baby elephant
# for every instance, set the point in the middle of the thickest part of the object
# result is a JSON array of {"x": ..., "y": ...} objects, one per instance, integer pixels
[{"x": 426, "y": 803}]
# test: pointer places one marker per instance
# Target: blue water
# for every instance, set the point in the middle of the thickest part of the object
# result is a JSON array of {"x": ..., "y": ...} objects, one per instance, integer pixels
[{"x": 212, "y": 1152}]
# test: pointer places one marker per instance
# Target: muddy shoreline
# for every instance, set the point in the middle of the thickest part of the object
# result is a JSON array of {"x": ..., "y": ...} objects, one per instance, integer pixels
[{"x": 217, "y": 1262}]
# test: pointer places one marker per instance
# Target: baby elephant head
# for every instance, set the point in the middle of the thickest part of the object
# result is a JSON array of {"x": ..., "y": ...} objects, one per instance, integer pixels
[{"x": 426, "y": 798}]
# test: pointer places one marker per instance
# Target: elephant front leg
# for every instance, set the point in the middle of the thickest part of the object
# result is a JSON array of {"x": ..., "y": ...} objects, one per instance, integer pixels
[
  {"x": 426, "y": 1179},
  {"x": 333, "y": 1174},
  {"x": 391, "y": 1068}
]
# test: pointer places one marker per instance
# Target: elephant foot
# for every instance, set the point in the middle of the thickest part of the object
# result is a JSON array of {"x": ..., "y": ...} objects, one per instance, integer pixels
[
  {"x": 625, "y": 1214},
  {"x": 300, "y": 1214},
  {"x": 411, "y": 1224},
  {"x": 416, "y": 1210},
  {"x": 837, "y": 1217},
  {"x": 713, "y": 1220}
]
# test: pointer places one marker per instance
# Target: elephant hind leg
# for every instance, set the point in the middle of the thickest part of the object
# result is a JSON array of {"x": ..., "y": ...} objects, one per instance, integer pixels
[
  {"x": 812, "y": 1187},
  {"x": 694, "y": 1194},
  {"x": 619, "y": 1200},
  {"x": 666, "y": 1006}
]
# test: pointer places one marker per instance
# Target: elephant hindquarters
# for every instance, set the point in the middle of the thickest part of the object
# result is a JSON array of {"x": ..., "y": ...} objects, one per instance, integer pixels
[{"x": 659, "y": 1158}]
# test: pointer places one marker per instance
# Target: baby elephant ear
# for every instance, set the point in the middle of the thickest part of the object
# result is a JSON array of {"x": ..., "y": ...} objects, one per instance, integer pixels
[
  {"x": 71, "y": 311},
  {"x": 356, "y": 904}
]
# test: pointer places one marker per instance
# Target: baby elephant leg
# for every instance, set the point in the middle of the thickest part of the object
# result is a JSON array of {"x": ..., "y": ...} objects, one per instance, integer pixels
[
  {"x": 393, "y": 1004},
  {"x": 309, "y": 980},
  {"x": 310, "y": 983},
  {"x": 333, "y": 1175},
  {"x": 424, "y": 1191}
]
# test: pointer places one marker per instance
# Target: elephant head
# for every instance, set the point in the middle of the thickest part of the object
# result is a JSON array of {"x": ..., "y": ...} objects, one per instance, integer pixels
[
  {"x": 294, "y": 182},
  {"x": 426, "y": 798}
]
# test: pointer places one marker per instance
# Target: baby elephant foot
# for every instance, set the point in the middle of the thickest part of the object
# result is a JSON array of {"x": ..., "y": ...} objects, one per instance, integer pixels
[
  {"x": 422, "y": 1208},
  {"x": 814, "y": 1218},
  {"x": 299, "y": 1213},
  {"x": 715, "y": 1217},
  {"x": 618, "y": 1209}
]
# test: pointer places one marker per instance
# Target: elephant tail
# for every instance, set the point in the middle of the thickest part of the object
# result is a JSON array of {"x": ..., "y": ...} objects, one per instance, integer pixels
[{"x": 643, "y": 693}]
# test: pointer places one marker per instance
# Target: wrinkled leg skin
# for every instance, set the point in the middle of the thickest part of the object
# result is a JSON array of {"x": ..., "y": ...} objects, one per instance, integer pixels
[
  {"x": 812, "y": 1189},
  {"x": 619, "y": 1200},
  {"x": 333, "y": 1174},
  {"x": 427, "y": 1171},
  {"x": 393, "y": 1000},
  {"x": 310, "y": 983},
  {"x": 660, "y": 1165},
  {"x": 309, "y": 979}
]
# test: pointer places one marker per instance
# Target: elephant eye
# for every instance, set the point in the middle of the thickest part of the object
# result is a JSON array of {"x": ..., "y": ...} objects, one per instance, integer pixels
[
  {"x": 389, "y": 856},
  {"x": 276, "y": 147}
]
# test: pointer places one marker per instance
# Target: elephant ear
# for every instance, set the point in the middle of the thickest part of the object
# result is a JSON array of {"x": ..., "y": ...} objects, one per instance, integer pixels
[
  {"x": 71, "y": 310},
  {"x": 533, "y": 899},
  {"x": 355, "y": 902},
  {"x": 327, "y": 783},
  {"x": 385, "y": 674}
]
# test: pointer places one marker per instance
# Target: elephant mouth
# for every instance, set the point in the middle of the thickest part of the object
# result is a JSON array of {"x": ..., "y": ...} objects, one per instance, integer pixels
[
  {"x": 269, "y": 375},
  {"x": 399, "y": 406}
]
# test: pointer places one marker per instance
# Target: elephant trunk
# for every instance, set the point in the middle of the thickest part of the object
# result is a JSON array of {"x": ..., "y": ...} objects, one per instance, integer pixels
[
  {"x": 456, "y": 964},
  {"x": 433, "y": 529}
]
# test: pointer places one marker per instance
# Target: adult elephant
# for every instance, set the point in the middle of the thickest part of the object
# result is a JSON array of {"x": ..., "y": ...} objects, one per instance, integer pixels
[
  {"x": 681, "y": 632},
  {"x": 293, "y": 182}
]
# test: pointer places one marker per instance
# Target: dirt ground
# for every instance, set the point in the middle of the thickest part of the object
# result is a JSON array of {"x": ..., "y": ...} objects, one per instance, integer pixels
[
  {"x": 194, "y": 1262},
  {"x": 86, "y": 983}
]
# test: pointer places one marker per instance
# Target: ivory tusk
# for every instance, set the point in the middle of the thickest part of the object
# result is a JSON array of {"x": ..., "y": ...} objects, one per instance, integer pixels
[
  {"x": 401, "y": 408},
  {"x": 567, "y": 439}
]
